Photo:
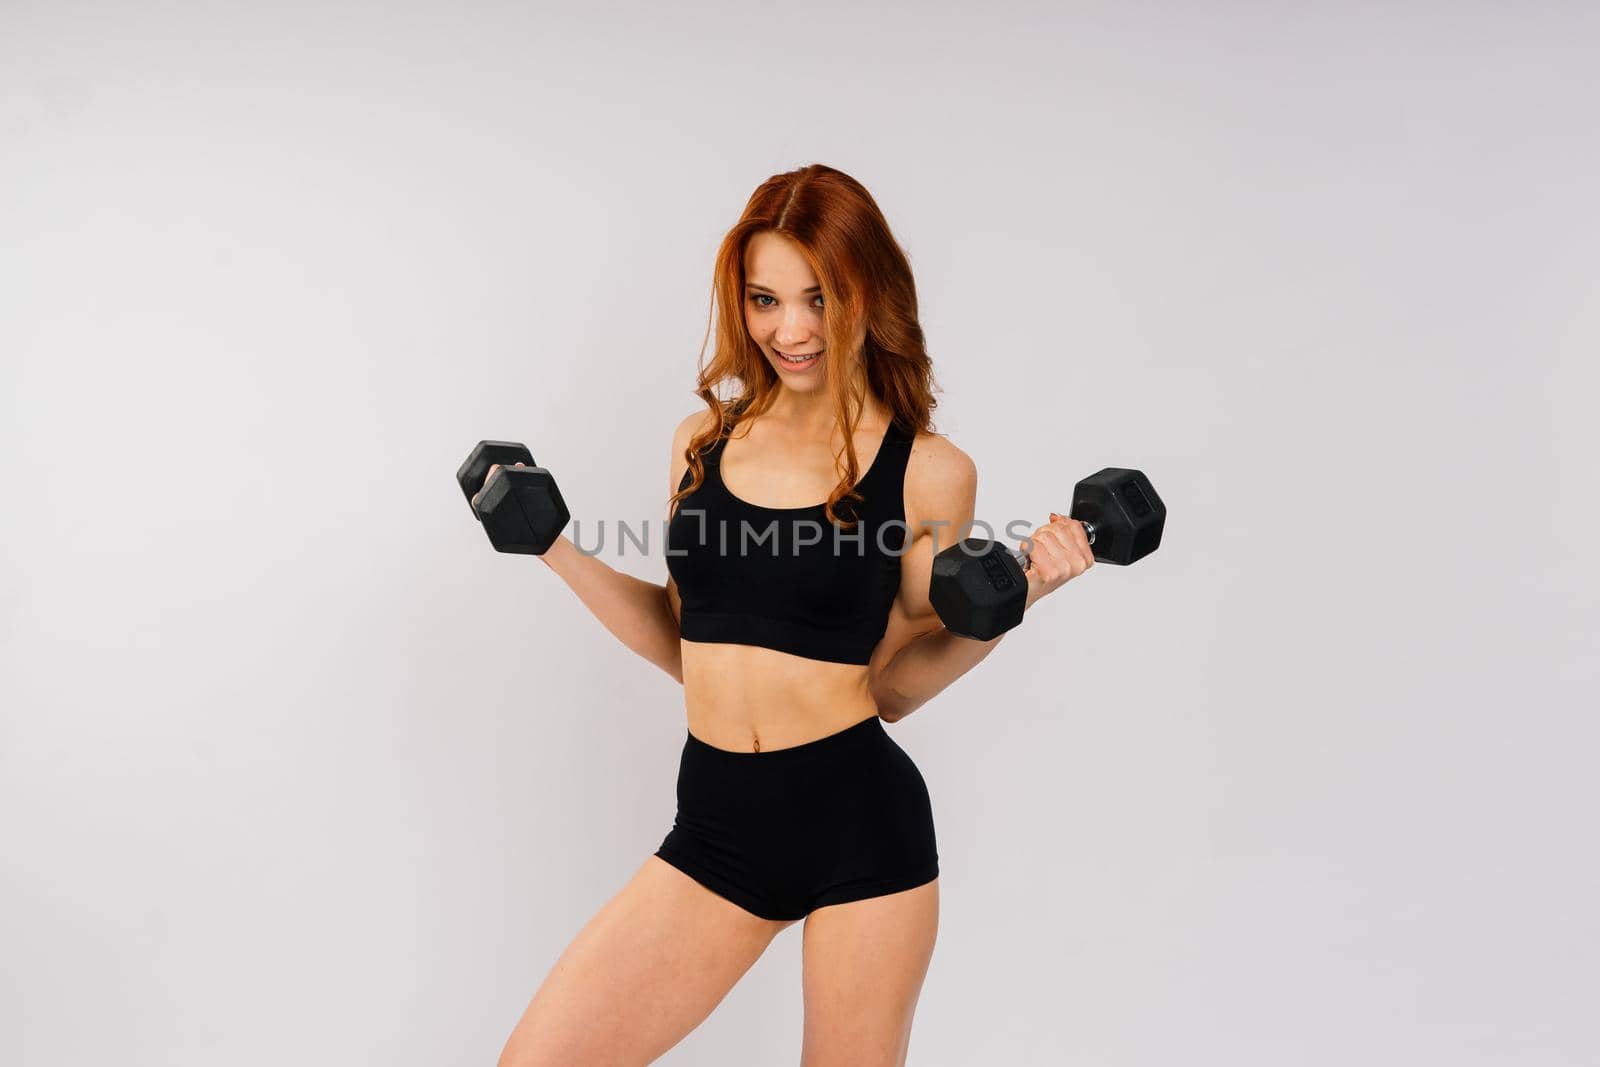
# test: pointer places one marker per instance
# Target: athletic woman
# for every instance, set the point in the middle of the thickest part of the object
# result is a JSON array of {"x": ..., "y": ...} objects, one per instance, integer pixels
[{"x": 804, "y": 515}]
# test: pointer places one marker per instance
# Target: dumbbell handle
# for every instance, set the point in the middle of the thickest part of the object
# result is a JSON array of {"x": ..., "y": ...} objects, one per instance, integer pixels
[{"x": 1022, "y": 557}]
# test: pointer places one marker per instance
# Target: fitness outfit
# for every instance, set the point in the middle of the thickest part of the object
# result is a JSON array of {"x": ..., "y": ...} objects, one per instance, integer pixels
[{"x": 841, "y": 818}]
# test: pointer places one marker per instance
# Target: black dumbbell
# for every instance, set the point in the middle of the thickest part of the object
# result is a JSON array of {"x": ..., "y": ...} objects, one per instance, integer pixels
[
  {"x": 522, "y": 510},
  {"x": 979, "y": 587}
]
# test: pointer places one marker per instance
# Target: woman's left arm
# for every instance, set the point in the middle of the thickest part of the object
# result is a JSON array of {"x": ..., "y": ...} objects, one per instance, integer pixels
[{"x": 918, "y": 658}]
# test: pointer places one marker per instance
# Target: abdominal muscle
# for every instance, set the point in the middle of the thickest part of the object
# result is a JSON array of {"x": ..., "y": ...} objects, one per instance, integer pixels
[{"x": 744, "y": 698}]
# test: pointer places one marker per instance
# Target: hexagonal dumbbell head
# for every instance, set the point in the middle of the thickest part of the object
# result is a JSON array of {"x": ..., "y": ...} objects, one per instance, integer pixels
[
  {"x": 978, "y": 588},
  {"x": 522, "y": 510},
  {"x": 1127, "y": 514}
]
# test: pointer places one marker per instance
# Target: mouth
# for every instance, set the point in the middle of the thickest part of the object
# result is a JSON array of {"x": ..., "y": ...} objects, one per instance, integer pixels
[{"x": 799, "y": 362}]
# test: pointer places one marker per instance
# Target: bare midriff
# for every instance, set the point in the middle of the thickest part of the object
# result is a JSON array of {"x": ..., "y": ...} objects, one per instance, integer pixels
[{"x": 745, "y": 698}]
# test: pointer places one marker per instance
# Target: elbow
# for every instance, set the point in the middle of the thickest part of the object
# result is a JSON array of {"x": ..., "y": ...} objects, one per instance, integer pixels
[
  {"x": 891, "y": 706},
  {"x": 891, "y": 714}
]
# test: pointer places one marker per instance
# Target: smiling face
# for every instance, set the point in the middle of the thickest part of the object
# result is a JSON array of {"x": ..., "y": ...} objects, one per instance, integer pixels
[{"x": 783, "y": 310}]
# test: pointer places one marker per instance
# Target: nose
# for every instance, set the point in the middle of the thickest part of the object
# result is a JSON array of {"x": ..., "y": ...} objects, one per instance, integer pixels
[{"x": 793, "y": 330}]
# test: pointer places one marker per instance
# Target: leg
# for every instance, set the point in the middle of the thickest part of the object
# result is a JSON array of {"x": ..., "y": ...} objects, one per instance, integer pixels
[
  {"x": 643, "y": 973},
  {"x": 864, "y": 963}
]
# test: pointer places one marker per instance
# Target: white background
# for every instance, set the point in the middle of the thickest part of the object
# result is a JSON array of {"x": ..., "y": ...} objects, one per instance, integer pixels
[{"x": 295, "y": 769}]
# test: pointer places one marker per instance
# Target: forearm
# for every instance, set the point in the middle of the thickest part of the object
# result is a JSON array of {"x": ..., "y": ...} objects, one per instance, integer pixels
[
  {"x": 634, "y": 610},
  {"x": 924, "y": 668}
]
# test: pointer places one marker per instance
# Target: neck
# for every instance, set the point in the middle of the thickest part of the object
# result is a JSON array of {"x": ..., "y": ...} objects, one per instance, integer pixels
[{"x": 811, "y": 413}]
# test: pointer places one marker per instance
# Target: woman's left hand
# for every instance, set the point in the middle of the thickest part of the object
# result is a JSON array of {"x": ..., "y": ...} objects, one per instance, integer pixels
[{"x": 1058, "y": 552}]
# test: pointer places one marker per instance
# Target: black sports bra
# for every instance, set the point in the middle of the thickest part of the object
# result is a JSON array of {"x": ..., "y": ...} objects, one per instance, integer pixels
[{"x": 787, "y": 578}]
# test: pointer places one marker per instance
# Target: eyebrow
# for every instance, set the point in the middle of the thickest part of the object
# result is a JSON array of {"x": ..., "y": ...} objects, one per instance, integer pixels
[{"x": 774, "y": 292}]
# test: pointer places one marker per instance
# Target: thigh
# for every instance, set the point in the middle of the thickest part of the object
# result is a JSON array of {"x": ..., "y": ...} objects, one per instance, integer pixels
[
  {"x": 864, "y": 963},
  {"x": 643, "y": 973}
]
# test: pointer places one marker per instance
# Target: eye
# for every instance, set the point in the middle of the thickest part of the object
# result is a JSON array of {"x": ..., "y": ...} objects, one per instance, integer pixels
[{"x": 756, "y": 298}]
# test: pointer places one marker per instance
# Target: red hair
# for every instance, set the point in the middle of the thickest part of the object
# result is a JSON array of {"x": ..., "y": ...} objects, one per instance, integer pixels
[{"x": 870, "y": 315}]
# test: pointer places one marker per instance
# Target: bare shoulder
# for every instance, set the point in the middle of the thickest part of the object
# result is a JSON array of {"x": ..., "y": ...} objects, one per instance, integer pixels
[
  {"x": 941, "y": 483},
  {"x": 686, "y": 431}
]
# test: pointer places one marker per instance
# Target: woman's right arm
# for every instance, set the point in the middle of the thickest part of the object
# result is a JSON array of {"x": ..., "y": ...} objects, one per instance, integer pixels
[{"x": 640, "y": 614}]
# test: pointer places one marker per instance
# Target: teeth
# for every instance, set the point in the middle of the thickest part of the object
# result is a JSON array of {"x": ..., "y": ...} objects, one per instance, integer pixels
[{"x": 796, "y": 359}]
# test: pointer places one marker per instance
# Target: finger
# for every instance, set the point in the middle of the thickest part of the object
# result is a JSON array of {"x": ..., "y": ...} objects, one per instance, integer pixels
[
  {"x": 1066, "y": 556},
  {"x": 1041, "y": 548},
  {"x": 494, "y": 469},
  {"x": 1052, "y": 536},
  {"x": 488, "y": 479},
  {"x": 1046, "y": 558},
  {"x": 1042, "y": 540},
  {"x": 1077, "y": 537}
]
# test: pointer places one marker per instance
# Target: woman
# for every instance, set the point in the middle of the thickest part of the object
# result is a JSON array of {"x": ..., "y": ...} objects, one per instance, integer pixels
[{"x": 797, "y": 628}]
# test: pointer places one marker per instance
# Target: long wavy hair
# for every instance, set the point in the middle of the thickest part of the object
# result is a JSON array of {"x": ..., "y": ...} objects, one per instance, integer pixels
[{"x": 869, "y": 318}]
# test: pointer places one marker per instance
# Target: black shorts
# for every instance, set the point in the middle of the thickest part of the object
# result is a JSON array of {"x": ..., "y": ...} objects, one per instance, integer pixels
[{"x": 780, "y": 833}]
